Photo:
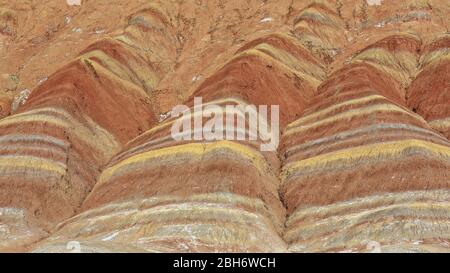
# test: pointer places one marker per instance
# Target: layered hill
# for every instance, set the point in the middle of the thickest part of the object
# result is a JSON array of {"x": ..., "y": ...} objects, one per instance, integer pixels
[{"x": 87, "y": 153}]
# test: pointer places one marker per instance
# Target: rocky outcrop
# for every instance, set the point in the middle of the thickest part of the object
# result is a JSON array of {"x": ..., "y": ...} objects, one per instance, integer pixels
[
  {"x": 429, "y": 94},
  {"x": 359, "y": 165},
  {"x": 88, "y": 154},
  {"x": 55, "y": 146}
]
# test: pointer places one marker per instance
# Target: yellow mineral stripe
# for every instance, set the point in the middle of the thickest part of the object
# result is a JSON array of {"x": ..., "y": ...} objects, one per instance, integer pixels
[
  {"x": 317, "y": 15},
  {"x": 30, "y": 162},
  {"x": 400, "y": 65},
  {"x": 129, "y": 85},
  {"x": 367, "y": 152},
  {"x": 386, "y": 58},
  {"x": 84, "y": 132},
  {"x": 127, "y": 41},
  {"x": 265, "y": 57},
  {"x": 435, "y": 56},
  {"x": 352, "y": 113},
  {"x": 288, "y": 59},
  {"x": 440, "y": 124},
  {"x": 133, "y": 74},
  {"x": 195, "y": 149},
  {"x": 33, "y": 118},
  {"x": 332, "y": 108}
]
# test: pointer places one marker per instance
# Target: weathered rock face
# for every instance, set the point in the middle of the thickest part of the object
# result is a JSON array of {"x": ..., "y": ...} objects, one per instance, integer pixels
[
  {"x": 429, "y": 94},
  {"x": 358, "y": 165},
  {"x": 88, "y": 155},
  {"x": 188, "y": 196}
]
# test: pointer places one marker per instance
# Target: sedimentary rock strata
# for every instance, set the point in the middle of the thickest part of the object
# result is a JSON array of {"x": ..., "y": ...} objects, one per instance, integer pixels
[
  {"x": 88, "y": 152},
  {"x": 358, "y": 165},
  {"x": 429, "y": 94},
  {"x": 191, "y": 195}
]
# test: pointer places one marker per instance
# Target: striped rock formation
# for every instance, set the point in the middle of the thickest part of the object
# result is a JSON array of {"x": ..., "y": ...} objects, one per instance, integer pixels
[
  {"x": 197, "y": 195},
  {"x": 183, "y": 196},
  {"x": 429, "y": 94},
  {"x": 88, "y": 154},
  {"x": 55, "y": 146},
  {"x": 271, "y": 70},
  {"x": 316, "y": 26},
  {"x": 360, "y": 167},
  {"x": 53, "y": 149}
]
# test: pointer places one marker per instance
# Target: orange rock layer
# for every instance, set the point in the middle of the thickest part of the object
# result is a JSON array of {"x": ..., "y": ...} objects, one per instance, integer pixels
[{"x": 364, "y": 102}]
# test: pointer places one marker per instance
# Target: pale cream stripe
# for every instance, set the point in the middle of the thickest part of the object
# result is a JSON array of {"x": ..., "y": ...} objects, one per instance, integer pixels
[
  {"x": 355, "y": 112},
  {"x": 195, "y": 149},
  {"x": 332, "y": 108}
]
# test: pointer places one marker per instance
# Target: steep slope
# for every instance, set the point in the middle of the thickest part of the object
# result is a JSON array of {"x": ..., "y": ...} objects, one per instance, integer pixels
[
  {"x": 88, "y": 153},
  {"x": 429, "y": 94},
  {"x": 359, "y": 165},
  {"x": 55, "y": 146}
]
